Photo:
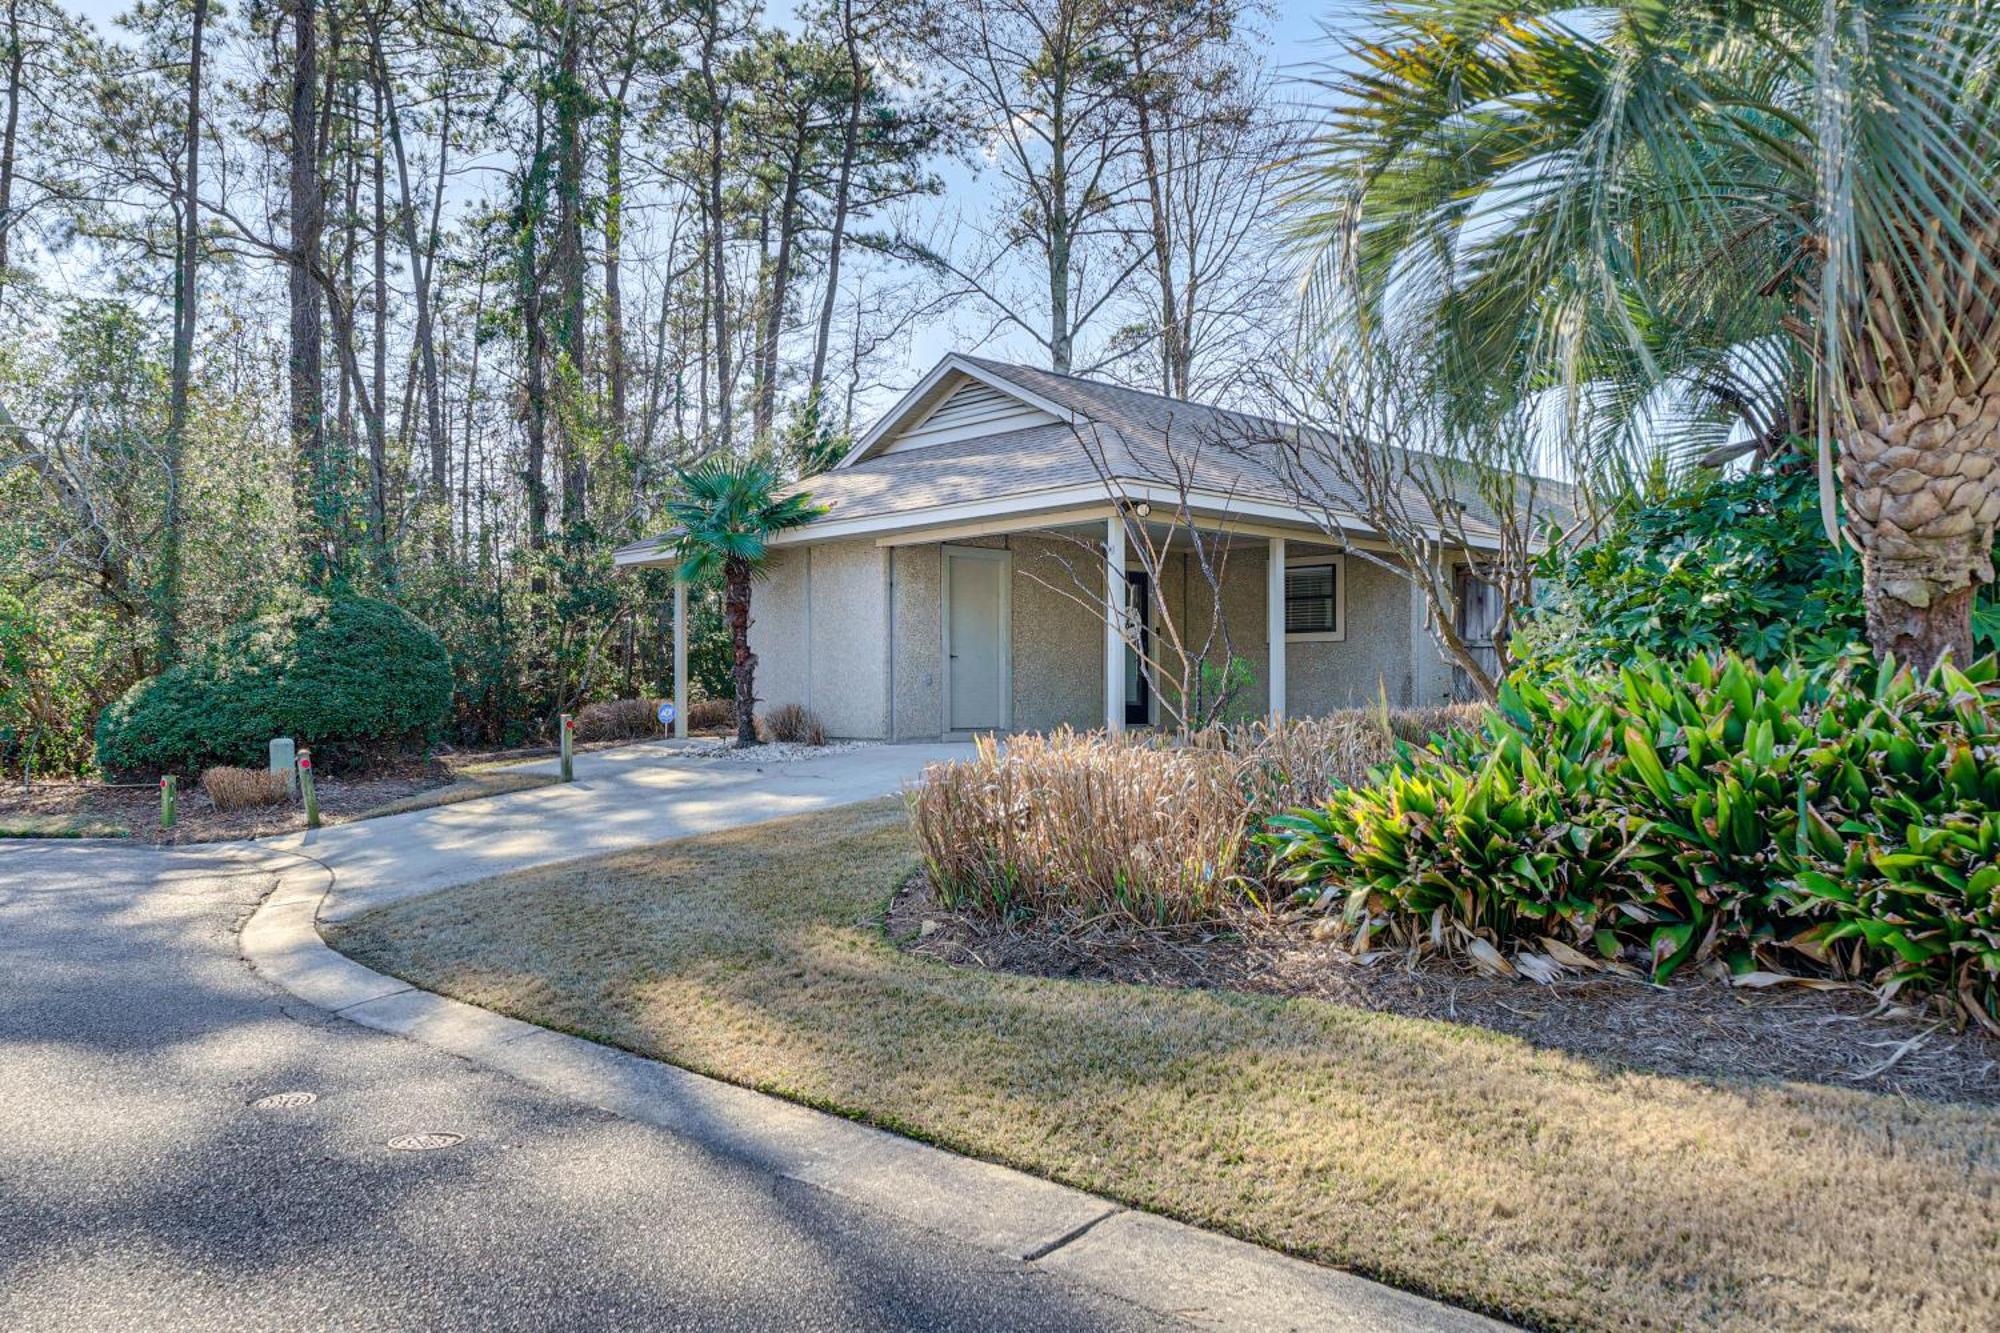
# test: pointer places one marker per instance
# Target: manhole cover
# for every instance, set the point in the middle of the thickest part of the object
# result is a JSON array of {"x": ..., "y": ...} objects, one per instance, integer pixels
[
  {"x": 284, "y": 1101},
  {"x": 424, "y": 1142}
]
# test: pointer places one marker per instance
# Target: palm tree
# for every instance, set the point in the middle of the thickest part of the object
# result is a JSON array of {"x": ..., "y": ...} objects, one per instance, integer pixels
[
  {"x": 725, "y": 513},
  {"x": 1699, "y": 213}
]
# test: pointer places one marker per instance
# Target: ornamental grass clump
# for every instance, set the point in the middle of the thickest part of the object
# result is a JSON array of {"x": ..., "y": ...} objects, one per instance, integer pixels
[
  {"x": 230, "y": 788},
  {"x": 618, "y": 720},
  {"x": 1150, "y": 829},
  {"x": 1074, "y": 823}
]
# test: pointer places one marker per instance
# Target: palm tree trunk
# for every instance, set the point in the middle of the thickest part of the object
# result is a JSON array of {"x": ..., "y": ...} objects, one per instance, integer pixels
[
  {"x": 736, "y": 597},
  {"x": 1920, "y": 471}
]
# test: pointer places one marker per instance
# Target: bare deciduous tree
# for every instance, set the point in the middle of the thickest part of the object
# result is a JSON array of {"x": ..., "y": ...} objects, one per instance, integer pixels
[{"x": 1458, "y": 512}]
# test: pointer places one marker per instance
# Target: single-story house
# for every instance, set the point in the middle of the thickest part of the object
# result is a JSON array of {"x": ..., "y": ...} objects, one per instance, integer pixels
[{"x": 974, "y": 537}]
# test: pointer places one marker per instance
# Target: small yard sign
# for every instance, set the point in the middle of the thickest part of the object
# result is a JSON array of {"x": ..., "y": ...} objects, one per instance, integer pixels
[{"x": 667, "y": 713}]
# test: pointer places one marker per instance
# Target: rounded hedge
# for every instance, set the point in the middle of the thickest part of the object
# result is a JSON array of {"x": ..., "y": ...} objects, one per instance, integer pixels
[{"x": 346, "y": 676}]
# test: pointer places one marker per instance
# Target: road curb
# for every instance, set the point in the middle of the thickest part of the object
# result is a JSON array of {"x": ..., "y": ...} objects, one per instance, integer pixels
[{"x": 1172, "y": 1269}]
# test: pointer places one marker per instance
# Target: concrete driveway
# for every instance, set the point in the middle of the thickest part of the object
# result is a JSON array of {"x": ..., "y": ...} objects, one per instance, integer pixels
[
  {"x": 139, "y": 1188},
  {"x": 622, "y": 798}
]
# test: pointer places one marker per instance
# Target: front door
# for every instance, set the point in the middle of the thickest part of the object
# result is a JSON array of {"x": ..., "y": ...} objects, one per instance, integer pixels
[{"x": 976, "y": 631}]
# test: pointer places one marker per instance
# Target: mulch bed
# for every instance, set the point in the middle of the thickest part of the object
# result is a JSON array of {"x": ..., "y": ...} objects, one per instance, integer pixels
[
  {"x": 197, "y": 819},
  {"x": 1693, "y": 1027},
  {"x": 98, "y": 808}
]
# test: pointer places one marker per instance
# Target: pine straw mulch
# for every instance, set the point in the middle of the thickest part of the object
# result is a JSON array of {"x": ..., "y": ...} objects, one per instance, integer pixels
[
  {"x": 82, "y": 809},
  {"x": 1695, "y": 1026}
]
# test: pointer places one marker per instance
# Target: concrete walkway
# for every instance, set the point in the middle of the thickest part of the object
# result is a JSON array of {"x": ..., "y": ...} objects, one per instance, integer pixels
[{"x": 622, "y": 798}]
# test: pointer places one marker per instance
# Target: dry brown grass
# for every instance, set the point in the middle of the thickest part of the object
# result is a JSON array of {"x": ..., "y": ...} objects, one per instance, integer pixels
[
  {"x": 794, "y": 724},
  {"x": 712, "y": 715},
  {"x": 617, "y": 720},
  {"x": 1530, "y": 1183},
  {"x": 1136, "y": 826},
  {"x": 244, "y": 788},
  {"x": 1071, "y": 822}
]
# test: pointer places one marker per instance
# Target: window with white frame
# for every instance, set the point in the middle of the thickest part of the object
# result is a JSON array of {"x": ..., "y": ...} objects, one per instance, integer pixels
[{"x": 1316, "y": 599}]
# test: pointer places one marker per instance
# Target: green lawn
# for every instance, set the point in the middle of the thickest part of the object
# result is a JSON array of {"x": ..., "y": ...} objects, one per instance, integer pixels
[{"x": 1442, "y": 1158}]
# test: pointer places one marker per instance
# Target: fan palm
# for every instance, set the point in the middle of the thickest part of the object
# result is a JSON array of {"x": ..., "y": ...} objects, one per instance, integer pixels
[
  {"x": 725, "y": 512},
  {"x": 1732, "y": 208}
]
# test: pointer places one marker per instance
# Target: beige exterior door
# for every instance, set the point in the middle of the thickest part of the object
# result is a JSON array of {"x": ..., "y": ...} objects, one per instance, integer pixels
[{"x": 977, "y": 633}]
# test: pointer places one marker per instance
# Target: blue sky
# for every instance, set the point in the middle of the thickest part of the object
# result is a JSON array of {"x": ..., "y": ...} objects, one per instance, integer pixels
[{"x": 1296, "y": 43}]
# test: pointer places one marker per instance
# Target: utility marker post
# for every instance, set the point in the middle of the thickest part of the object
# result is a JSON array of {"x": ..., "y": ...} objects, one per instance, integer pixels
[
  {"x": 568, "y": 773},
  {"x": 306, "y": 788},
  {"x": 285, "y": 759},
  {"x": 169, "y": 806}
]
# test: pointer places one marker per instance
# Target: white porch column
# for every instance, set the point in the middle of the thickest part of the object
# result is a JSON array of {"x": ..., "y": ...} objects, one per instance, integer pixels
[
  {"x": 1274, "y": 611},
  {"x": 1114, "y": 627},
  {"x": 680, "y": 660}
]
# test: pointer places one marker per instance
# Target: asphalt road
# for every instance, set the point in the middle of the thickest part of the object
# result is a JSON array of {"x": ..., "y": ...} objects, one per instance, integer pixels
[{"x": 140, "y": 1189}]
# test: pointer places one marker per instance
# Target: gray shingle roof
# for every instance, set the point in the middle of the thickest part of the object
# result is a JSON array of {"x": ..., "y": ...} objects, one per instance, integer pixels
[{"x": 1136, "y": 437}]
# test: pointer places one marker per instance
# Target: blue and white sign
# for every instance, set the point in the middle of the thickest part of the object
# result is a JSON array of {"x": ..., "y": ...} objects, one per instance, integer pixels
[{"x": 667, "y": 714}]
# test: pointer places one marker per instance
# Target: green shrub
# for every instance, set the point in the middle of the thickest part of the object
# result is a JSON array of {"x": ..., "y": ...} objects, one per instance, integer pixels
[
  {"x": 1738, "y": 564},
  {"x": 349, "y": 677},
  {"x": 1847, "y": 816}
]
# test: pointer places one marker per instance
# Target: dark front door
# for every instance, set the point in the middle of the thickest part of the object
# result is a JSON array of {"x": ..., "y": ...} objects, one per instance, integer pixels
[{"x": 1139, "y": 606}]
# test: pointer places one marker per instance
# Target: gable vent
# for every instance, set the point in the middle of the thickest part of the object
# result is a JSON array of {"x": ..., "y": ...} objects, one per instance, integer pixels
[{"x": 971, "y": 410}]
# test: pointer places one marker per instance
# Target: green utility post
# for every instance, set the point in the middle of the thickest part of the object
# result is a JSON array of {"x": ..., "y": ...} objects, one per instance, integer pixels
[
  {"x": 568, "y": 761},
  {"x": 306, "y": 788},
  {"x": 168, "y": 805}
]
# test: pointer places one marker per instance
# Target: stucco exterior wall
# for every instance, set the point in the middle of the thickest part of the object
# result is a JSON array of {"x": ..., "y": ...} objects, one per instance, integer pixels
[
  {"x": 1058, "y": 640},
  {"x": 778, "y": 627},
  {"x": 850, "y": 638},
  {"x": 854, "y": 631},
  {"x": 1430, "y": 673},
  {"x": 1373, "y": 659},
  {"x": 916, "y": 573},
  {"x": 820, "y": 629}
]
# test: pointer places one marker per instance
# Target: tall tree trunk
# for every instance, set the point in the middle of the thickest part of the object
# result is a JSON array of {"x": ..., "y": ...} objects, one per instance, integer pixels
[
  {"x": 306, "y": 391},
  {"x": 842, "y": 188},
  {"x": 535, "y": 368},
  {"x": 1059, "y": 220},
  {"x": 378, "y": 443},
  {"x": 614, "y": 248},
  {"x": 471, "y": 417},
  {"x": 17, "y": 57},
  {"x": 439, "y": 446},
  {"x": 568, "y": 261},
  {"x": 736, "y": 589},
  {"x": 1174, "y": 360},
  {"x": 781, "y": 272},
  {"x": 717, "y": 235},
  {"x": 181, "y": 373}
]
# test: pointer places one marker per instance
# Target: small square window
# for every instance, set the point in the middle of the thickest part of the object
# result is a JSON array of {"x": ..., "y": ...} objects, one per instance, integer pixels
[{"x": 1312, "y": 599}]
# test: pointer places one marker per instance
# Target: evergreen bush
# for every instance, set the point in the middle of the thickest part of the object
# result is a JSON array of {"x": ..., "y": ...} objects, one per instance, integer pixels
[{"x": 350, "y": 677}]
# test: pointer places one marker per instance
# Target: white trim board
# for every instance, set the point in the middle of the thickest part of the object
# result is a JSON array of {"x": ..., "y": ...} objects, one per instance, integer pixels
[
  {"x": 1338, "y": 634},
  {"x": 920, "y": 400},
  {"x": 969, "y": 411}
]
